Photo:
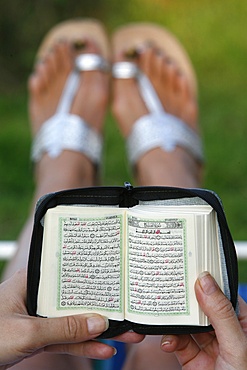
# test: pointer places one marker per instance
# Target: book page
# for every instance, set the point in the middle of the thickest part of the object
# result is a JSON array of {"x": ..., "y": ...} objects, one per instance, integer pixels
[
  {"x": 82, "y": 262},
  {"x": 161, "y": 269}
]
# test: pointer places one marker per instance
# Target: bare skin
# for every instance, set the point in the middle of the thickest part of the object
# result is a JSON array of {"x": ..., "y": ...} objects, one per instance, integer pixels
[
  {"x": 226, "y": 347},
  {"x": 19, "y": 339}
]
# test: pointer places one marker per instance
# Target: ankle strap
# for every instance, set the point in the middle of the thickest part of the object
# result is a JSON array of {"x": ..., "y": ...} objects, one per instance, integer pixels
[
  {"x": 164, "y": 131},
  {"x": 67, "y": 132}
]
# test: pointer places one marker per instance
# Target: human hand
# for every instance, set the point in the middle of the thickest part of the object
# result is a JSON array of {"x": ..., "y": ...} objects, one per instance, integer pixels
[
  {"x": 226, "y": 347},
  {"x": 23, "y": 336}
]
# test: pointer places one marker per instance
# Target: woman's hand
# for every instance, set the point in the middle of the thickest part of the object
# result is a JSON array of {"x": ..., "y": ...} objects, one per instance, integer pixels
[
  {"x": 226, "y": 347},
  {"x": 23, "y": 336}
]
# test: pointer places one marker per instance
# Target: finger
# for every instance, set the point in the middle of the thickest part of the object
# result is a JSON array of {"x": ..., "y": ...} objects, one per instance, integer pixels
[
  {"x": 206, "y": 342},
  {"x": 17, "y": 282},
  {"x": 13, "y": 293},
  {"x": 184, "y": 346},
  {"x": 89, "y": 349},
  {"x": 69, "y": 329},
  {"x": 220, "y": 312}
]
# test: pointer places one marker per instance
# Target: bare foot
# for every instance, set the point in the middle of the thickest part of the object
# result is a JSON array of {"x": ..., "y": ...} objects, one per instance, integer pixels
[
  {"x": 70, "y": 169},
  {"x": 156, "y": 167}
]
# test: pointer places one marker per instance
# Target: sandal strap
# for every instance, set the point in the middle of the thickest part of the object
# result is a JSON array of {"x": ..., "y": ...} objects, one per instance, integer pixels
[
  {"x": 91, "y": 62},
  {"x": 125, "y": 70},
  {"x": 159, "y": 128},
  {"x": 65, "y": 131}
]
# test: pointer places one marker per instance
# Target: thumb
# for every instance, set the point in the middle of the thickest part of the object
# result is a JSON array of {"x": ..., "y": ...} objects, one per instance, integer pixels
[
  {"x": 219, "y": 311},
  {"x": 69, "y": 329}
]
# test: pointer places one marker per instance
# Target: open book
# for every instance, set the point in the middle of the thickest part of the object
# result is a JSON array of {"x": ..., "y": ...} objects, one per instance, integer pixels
[{"x": 138, "y": 264}]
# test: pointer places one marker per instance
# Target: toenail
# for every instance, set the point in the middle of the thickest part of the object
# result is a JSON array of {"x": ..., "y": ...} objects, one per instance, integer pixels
[
  {"x": 179, "y": 73},
  {"x": 132, "y": 53},
  {"x": 79, "y": 44},
  {"x": 137, "y": 50},
  {"x": 149, "y": 44},
  {"x": 50, "y": 50},
  {"x": 61, "y": 40},
  {"x": 160, "y": 53},
  {"x": 38, "y": 62},
  {"x": 169, "y": 60}
]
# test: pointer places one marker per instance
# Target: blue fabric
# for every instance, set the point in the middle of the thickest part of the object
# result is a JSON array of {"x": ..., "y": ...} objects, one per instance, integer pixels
[
  {"x": 116, "y": 362},
  {"x": 242, "y": 290}
]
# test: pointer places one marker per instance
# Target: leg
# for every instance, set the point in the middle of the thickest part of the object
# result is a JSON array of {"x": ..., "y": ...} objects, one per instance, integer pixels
[
  {"x": 70, "y": 169},
  {"x": 157, "y": 167}
]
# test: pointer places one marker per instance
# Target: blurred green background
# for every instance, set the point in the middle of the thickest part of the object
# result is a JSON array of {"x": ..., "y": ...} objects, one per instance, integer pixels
[{"x": 214, "y": 34}]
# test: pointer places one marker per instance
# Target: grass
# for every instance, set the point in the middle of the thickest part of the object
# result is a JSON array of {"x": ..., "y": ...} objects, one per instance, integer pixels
[{"x": 213, "y": 33}]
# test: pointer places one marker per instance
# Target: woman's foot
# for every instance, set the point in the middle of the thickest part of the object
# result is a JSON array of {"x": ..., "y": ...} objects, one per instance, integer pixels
[
  {"x": 157, "y": 167},
  {"x": 69, "y": 169}
]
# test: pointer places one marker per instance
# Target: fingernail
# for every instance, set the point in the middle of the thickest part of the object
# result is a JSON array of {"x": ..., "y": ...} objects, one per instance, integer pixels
[
  {"x": 97, "y": 324},
  {"x": 207, "y": 283},
  {"x": 166, "y": 341}
]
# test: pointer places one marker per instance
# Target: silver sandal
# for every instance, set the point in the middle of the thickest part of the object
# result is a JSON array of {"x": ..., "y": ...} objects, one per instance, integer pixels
[
  {"x": 66, "y": 131},
  {"x": 158, "y": 128}
]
